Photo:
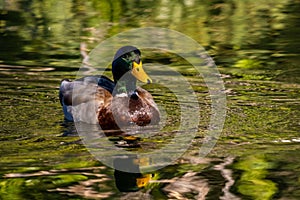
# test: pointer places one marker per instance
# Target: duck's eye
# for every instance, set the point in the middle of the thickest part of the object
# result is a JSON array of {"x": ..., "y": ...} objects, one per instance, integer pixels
[
  {"x": 132, "y": 57},
  {"x": 137, "y": 59},
  {"x": 127, "y": 59}
]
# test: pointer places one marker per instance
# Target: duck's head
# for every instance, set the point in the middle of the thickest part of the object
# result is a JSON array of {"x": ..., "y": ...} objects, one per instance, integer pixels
[{"x": 127, "y": 68}]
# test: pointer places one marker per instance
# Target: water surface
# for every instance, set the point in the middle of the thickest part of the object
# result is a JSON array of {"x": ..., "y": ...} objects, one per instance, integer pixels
[{"x": 256, "y": 48}]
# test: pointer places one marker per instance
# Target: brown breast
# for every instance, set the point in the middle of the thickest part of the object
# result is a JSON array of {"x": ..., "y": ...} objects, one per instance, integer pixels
[{"x": 122, "y": 111}]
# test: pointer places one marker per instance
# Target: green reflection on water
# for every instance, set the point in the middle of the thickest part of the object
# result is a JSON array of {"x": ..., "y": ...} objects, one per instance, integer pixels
[
  {"x": 48, "y": 31},
  {"x": 253, "y": 180}
]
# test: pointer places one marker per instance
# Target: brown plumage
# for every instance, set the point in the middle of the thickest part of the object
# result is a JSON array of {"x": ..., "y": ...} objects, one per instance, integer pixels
[
  {"x": 110, "y": 112},
  {"x": 122, "y": 111}
]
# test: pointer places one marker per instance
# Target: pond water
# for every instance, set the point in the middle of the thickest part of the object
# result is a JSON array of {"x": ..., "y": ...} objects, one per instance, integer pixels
[{"x": 255, "y": 45}]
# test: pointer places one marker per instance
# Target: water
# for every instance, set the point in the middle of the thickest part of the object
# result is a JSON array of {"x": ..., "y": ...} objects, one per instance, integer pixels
[{"x": 256, "y": 48}]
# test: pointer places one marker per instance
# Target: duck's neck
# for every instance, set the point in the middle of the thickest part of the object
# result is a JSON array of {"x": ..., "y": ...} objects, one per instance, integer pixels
[{"x": 125, "y": 87}]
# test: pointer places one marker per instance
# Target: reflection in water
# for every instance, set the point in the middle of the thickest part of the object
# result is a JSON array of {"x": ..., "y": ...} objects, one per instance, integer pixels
[
  {"x": 126, "y": 181},
  {"x": 79, "y": 182},
  {"x": 253, "y": 181},
  {"x": 94, "y": 183},
  {"x": 227, "y": 174},
  {"x": 234, "y": 31},
  {"x": 188, "y": 184}
]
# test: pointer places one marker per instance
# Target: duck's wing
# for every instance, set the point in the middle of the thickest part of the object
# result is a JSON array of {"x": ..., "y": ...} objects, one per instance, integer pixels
[
  {"x": 87, "y": 101},
  {"x": 67, "y": 86},
  {"x": 83, "y": 98},
  {"x": 106, "y": 83},
  {"x": 100, "y": 80}
]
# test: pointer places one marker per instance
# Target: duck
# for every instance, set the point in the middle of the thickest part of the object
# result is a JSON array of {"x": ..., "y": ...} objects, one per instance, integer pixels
[{"x": 112, "y": 104}]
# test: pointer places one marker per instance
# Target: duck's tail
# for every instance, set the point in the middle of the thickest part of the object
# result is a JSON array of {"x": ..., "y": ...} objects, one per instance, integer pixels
[
  {"x": 62, "y": 89},
  {"x": 65, "y": 87}
]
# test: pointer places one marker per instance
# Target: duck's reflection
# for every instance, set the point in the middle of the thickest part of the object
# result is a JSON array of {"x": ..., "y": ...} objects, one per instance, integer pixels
[
  {"x": 127, "y": 173},
  {"x": 128, "y": 177}
]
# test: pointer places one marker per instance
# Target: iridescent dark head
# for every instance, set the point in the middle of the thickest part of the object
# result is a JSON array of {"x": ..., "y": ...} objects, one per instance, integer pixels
[{"x": 127, "y": 68}]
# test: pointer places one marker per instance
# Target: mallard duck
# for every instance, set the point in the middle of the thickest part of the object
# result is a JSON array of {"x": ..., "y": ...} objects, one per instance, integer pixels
[{"x": 97, "y": 99}]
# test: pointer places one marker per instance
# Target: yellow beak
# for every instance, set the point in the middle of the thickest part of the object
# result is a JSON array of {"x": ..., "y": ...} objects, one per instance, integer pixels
[
  {"x": 139, "y": 73},
  {"x": 143, "y": 181}
]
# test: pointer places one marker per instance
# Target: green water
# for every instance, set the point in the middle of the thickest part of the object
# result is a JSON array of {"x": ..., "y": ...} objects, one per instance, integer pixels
[{"x": 255, "y": 45}]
